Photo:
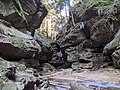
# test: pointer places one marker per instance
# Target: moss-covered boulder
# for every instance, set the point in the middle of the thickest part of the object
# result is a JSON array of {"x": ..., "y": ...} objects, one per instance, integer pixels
[
  {"x": 15, "y": 45},
  {"x": 25, "y": 15}
]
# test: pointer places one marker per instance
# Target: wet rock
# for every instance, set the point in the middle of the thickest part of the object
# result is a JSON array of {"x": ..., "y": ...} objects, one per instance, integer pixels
[{"x": 16, "y": 44}]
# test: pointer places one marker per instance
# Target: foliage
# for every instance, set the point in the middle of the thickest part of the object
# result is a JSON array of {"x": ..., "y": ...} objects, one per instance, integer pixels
[{"x": 107, "y": 6}]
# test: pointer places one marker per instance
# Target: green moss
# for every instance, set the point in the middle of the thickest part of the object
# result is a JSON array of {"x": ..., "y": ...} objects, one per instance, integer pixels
[
  {"x": 17, "y": 42},
  {"x": 1, "y": 31},
  {"x": 107, "y": 6},
  {"x": 9, "y": 87}
]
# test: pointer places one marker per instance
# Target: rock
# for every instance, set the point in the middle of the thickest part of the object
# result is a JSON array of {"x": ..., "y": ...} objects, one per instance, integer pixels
[
  {"x": 113, "y": 48},
  {"x": 65, "y": 72},
  {"x": 16, "y": 44},
  {"x": 73, "y": 54},
  {"x": 30, "y": 20},
  {"x": 33, "y": 63},
  {"x": 86, "y": 44},
  {"x": 46, "y": 55},
  {"x": 88, "y": 14},
  {"x": 47, "y": 68},
  {"x": 74, "y": 37},
  {"x": 23, "y": 79},
  {"x": 78, "y": 66},
  {"x": 95, "y": 28},
  {"x": 110, "y": 47},
  {"x": 42, "y": 40},
  {"x": 76, "y": 86},
  {"x": 57, "y": 59},
  {"x": 100, "y": 35},
  {"x": 9, "y": 87},
  {"x": 116, "y": 58}
]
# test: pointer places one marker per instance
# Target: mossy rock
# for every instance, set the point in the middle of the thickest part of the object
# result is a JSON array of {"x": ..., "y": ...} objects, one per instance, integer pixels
[
  {"x": 113, "y": 44},
  {"x": 9, "y": 87},
  {"x": 17, "y": 42}
]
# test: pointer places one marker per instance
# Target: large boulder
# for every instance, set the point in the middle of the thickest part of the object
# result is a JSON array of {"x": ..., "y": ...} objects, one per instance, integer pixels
[
  {"x": 113, "y": 49},
  {"x": 111, "y": 46},
  {"x": 16, "y": 76},
  {"x": 73, "y": 38},
  {"x": 46, "y": 54},
  {"x": 15, "y": 45},
  {"x": 24, "y": 15}
]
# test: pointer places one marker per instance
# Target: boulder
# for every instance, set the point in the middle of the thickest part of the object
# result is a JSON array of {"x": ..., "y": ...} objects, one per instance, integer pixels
[
  {"x": 73, "y": 38},
  {"x": 47, "y": 68},
  {"x": 77, "y": 86},
  {"x": 14, "y": 77},
  {"x": 46, "y": 54},
  {"x": 15, "y": 45},
  {"x": 116, "y": 57},
  {"x": 28, "y": 17},
  {"x": 111, "y": 46}
]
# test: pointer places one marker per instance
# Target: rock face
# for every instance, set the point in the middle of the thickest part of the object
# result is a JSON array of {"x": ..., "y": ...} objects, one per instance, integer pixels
[
  {"x": 74, "y": 37},
  {"x": 114, "y": 48},
  {"x": 15, "y": 45},
  {"x": 91, "y": 39},
  {"x": 16, "y": 76},
  {"x": 19, "y": 19},
  {"x": 30, "y": 17},
  {"x": 46, "y": 55}
]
